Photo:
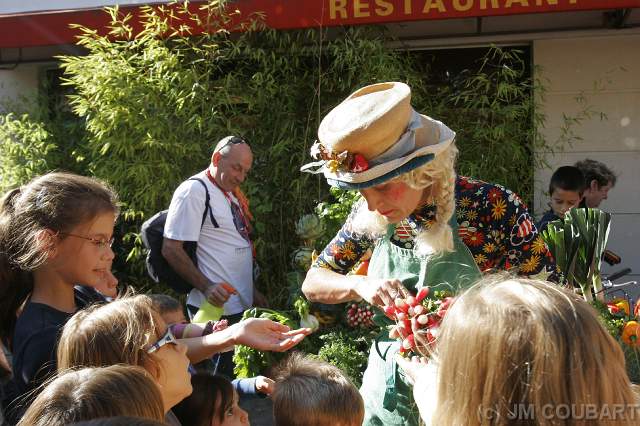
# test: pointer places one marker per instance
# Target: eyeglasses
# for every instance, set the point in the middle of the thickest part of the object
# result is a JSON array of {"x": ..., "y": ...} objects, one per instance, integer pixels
[
  {"x": 100, "y": 242},
  {"x": 167, "y": 338}
]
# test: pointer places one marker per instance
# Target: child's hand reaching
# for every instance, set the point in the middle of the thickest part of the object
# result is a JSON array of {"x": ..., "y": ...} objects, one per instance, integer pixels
[{"x": 265, "y": 385}]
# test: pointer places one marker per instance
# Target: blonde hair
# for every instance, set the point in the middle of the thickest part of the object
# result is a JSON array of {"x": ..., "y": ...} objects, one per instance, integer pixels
[
  {"x": 439, "y": 176},
  {"x": 90, "y": 393},
  {"x": 512, "y": 348},
  {"x": 116, "y": 333},
  {"x": 311, "y": 392}
]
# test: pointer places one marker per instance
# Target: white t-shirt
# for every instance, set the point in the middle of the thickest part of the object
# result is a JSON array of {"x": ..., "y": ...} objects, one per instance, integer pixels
[{"x": 223, "y": 254}]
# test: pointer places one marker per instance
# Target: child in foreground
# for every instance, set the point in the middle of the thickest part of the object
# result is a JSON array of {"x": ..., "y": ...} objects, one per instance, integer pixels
[
  {"x": 513, "y": 351},
  {"x": 213, "y": 402},
  {"x": 311, "y": 392}
]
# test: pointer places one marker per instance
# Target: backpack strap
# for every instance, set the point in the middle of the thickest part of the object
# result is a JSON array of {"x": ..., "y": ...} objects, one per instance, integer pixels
[{"x": 207, "y": 206}]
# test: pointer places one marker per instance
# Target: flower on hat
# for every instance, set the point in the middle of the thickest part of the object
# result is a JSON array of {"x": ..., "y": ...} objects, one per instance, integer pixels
[
  {"x": 359, "y": 164},
  {"x": 344, "y": 161}
]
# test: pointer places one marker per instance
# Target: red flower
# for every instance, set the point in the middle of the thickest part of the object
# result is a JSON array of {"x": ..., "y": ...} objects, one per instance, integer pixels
[
  {"x": 359, "y": 164},
  {"x": 494, "y": 194},
  {"x": 474, "y": 239}
]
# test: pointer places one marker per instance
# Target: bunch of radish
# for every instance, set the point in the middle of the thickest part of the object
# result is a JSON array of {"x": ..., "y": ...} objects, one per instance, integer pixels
[
  {"x": 417, "y": 313},
  {"x": 360, "y": 315}
]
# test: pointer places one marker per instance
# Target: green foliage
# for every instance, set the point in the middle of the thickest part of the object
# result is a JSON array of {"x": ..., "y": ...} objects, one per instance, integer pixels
[
  {"x": 250, "y": 362},
  {"x": 347, "y": 350},
  {"x": 153, "y": 106},
  {"x": 26, "y": 149},
  {"x": 36, "y": 140}
]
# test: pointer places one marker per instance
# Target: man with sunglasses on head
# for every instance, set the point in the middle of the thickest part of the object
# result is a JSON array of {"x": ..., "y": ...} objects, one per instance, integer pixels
[{"x": 225, "y": 252}]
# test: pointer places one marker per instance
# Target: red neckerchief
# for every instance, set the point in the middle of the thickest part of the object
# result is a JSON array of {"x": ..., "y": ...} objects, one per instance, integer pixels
[{"x": 242, "y": 216}]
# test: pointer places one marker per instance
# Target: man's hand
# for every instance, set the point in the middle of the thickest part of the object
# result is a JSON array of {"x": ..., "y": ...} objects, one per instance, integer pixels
[
  {"x": 259, "y": 299},
  {"x": 217, "y": 294},
  {"x": 380, "y": 292},
  {"x": 265, "y": 385},
  {"x": 267, "y": 335}
]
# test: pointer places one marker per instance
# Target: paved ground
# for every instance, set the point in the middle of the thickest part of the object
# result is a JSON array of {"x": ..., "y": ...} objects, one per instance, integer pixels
[{"x": 260, "y": 410}]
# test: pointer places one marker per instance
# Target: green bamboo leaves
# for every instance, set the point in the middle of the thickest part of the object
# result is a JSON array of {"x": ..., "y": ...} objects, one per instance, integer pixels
[{"x": 577, "y": 242}]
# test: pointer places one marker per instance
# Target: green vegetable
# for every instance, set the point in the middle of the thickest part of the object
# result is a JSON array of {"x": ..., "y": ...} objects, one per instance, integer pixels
[{"x": 577, "y": 242}]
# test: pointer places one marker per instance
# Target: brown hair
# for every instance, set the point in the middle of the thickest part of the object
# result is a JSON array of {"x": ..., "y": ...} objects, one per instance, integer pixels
[
  {"x": 311, "y": 392},
  {"x": 163, "y": 303},
  {"x": 116, "y": 333},
  {"x": 55, "y": 201},
  {"x": 212, "y": 396},
  {"x": 89, "y": 393},
  {"x": 512, "y": 344}
]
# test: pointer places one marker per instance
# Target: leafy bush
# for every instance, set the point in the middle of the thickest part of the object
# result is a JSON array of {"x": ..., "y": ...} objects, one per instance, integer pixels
[{"x": 154, "y": 105}]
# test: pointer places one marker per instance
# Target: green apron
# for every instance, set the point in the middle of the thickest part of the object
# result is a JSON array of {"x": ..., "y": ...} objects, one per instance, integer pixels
[{"x": 388, "y": 397}]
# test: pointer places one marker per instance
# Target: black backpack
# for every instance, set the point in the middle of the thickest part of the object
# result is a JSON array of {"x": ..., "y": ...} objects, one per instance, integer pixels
[{"x": 152, "y": 235}]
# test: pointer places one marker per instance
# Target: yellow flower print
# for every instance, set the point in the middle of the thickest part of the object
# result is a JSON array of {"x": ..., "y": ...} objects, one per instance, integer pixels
[
  {"x": 464, "y": 202},
  {"x": 472, "y": 215},
  {"x": 530, "y": 264},
  {"x": 499, "y": 209},
  {"x": 512, "y": 220},
  {"x": 480, "y": 258},
  {"x": 538, "y": 246},
  {"x": 348, "y": 251},
  {"x": 489, "y": 248}
]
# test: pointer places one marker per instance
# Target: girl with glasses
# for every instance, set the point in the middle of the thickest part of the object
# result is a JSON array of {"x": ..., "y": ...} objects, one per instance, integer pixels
[{"x": 55, "y": 232}]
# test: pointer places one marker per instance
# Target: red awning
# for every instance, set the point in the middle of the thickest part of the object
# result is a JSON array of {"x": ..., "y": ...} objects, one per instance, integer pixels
[{"x": 52, "y": 28}]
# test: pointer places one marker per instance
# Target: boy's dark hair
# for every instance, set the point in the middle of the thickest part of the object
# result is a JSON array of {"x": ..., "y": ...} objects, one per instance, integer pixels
[
  {"x": 595, "y": 170},
  {"x": 568, "y": 178},
  {"x": 164, "y": 303},
  {"x": 311, "y": 392}
]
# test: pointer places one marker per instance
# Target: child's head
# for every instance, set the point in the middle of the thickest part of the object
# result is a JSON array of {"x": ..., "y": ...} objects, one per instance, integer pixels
[
  {"x": 598, "y": 180},
  {"x": 213, "y": 402},
  {"x": 565, "y": 189},
  {"x": 169, "y": 308},
  {"x": 509, "y": 341},
  {"x": 59, "y": 220},
  {"x": 127, "y": 331},
  {"x": 91, "y": 393},
  {"x": 311, "y": 392}
]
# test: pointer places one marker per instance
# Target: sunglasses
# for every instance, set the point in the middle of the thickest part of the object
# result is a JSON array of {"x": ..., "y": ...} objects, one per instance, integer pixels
[
  {"x": 233, "y": 140},
  {"x": 167, "y": 338}
]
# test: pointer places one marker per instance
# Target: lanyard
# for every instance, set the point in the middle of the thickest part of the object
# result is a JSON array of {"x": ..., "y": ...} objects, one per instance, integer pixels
[{"x": 236, "y": 213}]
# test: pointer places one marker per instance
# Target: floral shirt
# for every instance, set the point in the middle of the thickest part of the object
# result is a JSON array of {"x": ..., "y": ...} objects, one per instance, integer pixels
[{"x": 492, "y": 222}]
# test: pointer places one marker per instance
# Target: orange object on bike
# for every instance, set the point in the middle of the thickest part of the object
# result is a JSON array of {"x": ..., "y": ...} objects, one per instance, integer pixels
[{"x": 630, "y": 333}]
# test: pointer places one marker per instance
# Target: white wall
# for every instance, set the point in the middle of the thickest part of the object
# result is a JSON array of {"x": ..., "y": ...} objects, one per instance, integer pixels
[
  {"x": 17, "y": 83},
  {"x": 604, "y": 70}
]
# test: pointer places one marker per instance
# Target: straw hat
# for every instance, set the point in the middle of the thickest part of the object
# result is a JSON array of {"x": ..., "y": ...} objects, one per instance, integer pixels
[{"x": 373, "y": 136}]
